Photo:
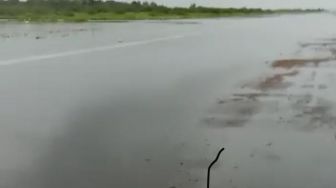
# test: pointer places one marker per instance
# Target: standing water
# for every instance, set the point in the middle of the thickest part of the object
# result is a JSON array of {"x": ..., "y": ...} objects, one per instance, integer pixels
[{"x": 150, "y": 103}]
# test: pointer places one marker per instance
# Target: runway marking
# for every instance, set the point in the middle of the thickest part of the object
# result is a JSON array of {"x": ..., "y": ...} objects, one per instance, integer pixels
[{"x": 90, "y": 50}]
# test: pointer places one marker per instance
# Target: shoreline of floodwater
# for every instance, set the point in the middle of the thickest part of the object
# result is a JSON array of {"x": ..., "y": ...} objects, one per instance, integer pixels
[
  {"x": 79, "y": 11},
  {"x": 143, "y": 18}
]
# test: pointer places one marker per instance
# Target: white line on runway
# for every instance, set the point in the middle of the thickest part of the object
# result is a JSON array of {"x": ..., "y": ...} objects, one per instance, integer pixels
[{"x": 90, "y": 50}]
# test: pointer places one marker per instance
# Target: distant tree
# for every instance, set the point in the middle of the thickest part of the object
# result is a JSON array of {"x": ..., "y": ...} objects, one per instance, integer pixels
[
  {"x": 136, "y": 3},
  {"x": 91, "y": 2},
  {"x": 145, "y": 3},
  {"x": 193, "y": 6},
  {"x": 87, "y": 2},
  {"x": 153, "y": 4},
  {"x": 38, "y": 1}
]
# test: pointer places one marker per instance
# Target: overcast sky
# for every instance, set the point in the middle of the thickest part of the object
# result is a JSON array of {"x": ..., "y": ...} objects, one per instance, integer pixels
[{"x": 327, "y": 4}]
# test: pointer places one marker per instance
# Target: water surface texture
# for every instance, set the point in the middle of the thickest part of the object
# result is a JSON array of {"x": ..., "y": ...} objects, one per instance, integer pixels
[{"x": 150, "y": 103}]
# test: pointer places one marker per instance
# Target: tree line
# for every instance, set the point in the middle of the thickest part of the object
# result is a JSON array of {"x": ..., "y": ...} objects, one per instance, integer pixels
[
  {"x": 108, "y": 6},
  {"x": 109, "y": 9}
]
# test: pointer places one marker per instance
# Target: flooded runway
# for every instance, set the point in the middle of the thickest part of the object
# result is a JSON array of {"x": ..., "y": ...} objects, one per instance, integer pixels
[{"x": 150, "y": 103}]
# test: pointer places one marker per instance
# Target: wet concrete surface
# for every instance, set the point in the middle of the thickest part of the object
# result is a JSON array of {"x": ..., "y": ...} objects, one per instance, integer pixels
[{"x": 149, "y": 104}]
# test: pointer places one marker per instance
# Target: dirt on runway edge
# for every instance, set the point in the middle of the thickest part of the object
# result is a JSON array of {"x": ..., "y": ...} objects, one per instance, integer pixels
[{"x": 266, "y": 94}]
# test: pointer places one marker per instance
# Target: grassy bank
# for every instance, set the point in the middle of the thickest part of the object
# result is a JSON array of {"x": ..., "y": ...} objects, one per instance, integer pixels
[{"x": 84, "y": 10}]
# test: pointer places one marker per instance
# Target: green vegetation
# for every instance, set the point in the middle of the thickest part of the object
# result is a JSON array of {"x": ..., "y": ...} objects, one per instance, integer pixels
[{"x": 84, "y": 10}]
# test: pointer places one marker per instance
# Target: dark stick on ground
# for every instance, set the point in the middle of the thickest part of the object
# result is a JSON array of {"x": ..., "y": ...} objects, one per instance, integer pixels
[{"x": 209, "y": 168}]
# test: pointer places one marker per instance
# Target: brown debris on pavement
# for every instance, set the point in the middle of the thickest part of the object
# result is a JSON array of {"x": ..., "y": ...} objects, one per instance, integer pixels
[
  {"x": 276, "y": 81},
  {"x": 291, "y": 63}
]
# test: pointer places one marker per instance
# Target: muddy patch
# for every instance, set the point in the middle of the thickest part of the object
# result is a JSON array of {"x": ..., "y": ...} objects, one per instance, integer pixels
[
  {"x": 276, "y": 81},
  {"x": 289, "y": 90},
  {"x": 291, "y": 63},
  {"x": 325, "y": 46}
]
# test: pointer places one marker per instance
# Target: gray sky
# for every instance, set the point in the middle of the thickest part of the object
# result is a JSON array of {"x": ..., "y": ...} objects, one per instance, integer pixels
[{"x": 327, "y": 4}]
